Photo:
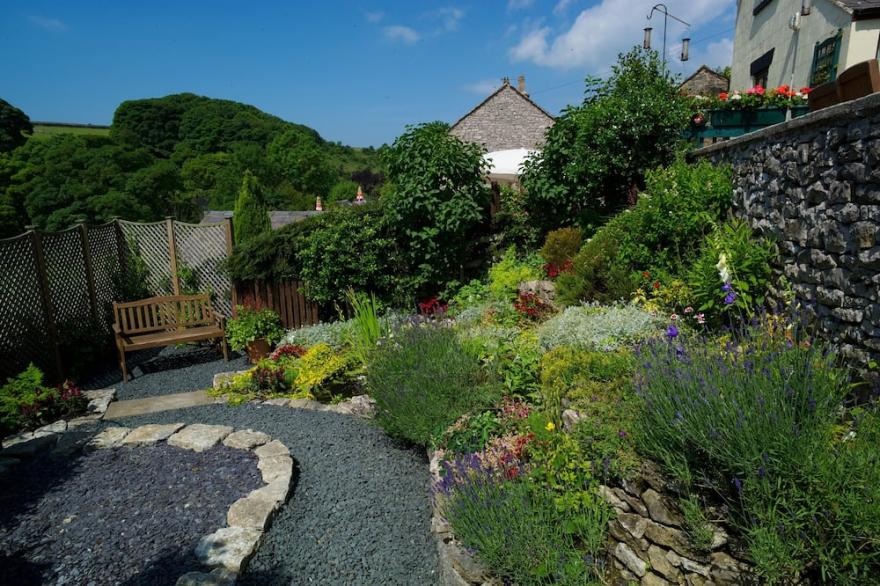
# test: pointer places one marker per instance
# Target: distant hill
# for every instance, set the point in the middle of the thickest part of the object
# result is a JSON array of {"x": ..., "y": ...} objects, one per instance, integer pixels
[{"x": 46, "y": 129}]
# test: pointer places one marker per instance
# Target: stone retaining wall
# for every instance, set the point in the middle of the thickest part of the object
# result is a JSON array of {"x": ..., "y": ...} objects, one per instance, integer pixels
[{"x": 813, "y": 185}]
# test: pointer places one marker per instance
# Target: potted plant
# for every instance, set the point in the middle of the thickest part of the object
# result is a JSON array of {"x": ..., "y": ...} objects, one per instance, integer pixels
[{"x": 255, "y": 331}]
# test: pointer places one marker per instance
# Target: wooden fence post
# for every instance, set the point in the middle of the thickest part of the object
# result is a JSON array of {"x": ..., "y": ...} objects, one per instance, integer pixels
[
  {"x": 90, "y": 273},
  {"x": 172, "y": 255},
  {"x": 46, "y": 299},
  {"x": 229, "y": 245}
]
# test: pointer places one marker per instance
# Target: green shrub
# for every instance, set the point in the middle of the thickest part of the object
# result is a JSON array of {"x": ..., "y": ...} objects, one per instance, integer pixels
[
  {"x": 251, "y": 217},
  {"x": 506, "y": 275},
  {"x": 596, "y": 153},
  {"x": 439, "y": 201},
  {"x": 598, "y": 327},
  {"x": 756, "y": 419},
  {"x": 25, "y": 403},
  {"x": 423, "y": 380},
  {"x": 731, "y": 252},
  {"x": 661, "y": 232},
  {"x": 335, "y": 334},
  {"x": 350, "y": 249},
  {"x": 250, "y": 324},
  {"x": 561, "y": 245},
  {"x": 272, "y": 255},
  {"x": 598, "y": 385},
  {"x": 345, "y": 190},
  {"x": 512, "y": 224},
  {"x": 516, "y": 531},
  {"x": 366, "y": 327},
  {"x": 470, "y": 295},
  {"x": 471, "y": 433}
]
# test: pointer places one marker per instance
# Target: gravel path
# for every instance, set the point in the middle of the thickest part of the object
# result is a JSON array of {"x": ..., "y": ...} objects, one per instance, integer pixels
[
  {"x": 72, "y": 521},
  {"x": 360, "y": 511},
  {"x": 171, "y": 370}
]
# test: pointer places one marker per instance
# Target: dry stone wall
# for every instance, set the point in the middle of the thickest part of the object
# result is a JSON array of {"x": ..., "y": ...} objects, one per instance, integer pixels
[{"x": 813, "y": 185}]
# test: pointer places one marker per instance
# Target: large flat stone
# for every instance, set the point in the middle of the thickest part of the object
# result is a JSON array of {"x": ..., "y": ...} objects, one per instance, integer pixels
[
  {"x": 274, "y": 491},
  {"x": 229, "y": 547},
  {"x": 119, "y": 409},
  {"x": 245, "y": 439},
  {"x": 251, "y": 512},
  {"x": 276, "y": 468},
  {"x": 151, "y": 433},
  {"x": 199, "y": 437},
  {"x": 99, "y": 400},
  {"x": 273, "y": 448},
  {"x": 629, "y": 559},
  {"x": 30, "y": 447},
  {"x": 110, "y": 437},
  {"x": 57, "y": 427}
]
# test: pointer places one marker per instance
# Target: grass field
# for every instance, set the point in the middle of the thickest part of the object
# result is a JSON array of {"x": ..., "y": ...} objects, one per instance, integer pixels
[{"x": 46, "y": 130}]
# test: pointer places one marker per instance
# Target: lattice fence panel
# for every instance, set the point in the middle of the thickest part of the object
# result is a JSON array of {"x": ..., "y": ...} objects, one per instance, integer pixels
[
  {"x": 202, "y": 248},
  {"x": 107, "y": 269},
  {"x": 24, "y": 336},
  {"x": 68, "y": 285},
  {"x": 152, "y": 244}
]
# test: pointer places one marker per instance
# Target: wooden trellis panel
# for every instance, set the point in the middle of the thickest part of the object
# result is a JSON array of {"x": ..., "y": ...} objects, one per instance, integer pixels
[
  {"x": 202, "y": 248},
  {"x": 106, "y": 254},
  {"x": 24, "y": 332},
  {"x": 152, "y": 244}
]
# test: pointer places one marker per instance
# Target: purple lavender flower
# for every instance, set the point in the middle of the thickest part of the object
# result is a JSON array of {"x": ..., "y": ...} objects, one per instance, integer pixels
[
  {"x": 738, "y": 484},
  {"x": 672, "y": 332},
  {"x": 761, "y": 472},
  {"x": 730, "y": 298},
  {"x": 727, "y": 287}
]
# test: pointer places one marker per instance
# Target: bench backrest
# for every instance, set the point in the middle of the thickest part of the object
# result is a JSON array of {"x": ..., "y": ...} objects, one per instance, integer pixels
[{"x": 171, "y": 312}]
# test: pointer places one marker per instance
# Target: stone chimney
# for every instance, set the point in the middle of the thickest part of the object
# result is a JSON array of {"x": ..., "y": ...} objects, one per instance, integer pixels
[{"x": 521, "y": 83}]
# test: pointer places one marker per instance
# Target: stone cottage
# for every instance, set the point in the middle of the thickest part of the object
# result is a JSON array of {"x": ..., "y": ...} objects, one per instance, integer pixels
[
  {"x": 507, "y": 119},
  {"x": 704, "y": 82}
]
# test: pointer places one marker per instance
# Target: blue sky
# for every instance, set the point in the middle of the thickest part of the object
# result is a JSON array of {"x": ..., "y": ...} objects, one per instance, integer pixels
[{"x": 357, "y": 72}]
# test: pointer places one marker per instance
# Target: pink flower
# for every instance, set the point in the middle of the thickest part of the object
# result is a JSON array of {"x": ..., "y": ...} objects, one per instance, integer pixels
[
  {"x": 701, "y": 318},
  {"x": 673, "y": 317},
  {"x": 688, "y": 309}
]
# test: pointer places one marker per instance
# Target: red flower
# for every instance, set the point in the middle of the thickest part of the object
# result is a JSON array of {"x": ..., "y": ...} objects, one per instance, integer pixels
[
  {"x": 656, "y": 284},
  {"x": 646, "y": 275},
  {"x": 755, "y": 91},
  {"x": 806, "y": 90},
  {"x": 723, "y": 96},
  {"x": 784, "y": 90},
  {"x": 432, "y": 306}
]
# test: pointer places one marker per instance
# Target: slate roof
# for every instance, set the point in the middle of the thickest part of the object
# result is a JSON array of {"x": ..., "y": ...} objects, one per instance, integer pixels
[
  {"x": 278, "y": 218},
  {"x": 505, "y": 85},
  {"x": 861, "y": 8}
]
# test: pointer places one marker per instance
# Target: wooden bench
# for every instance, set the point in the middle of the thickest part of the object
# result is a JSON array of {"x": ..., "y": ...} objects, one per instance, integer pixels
[{"x": 162, "y": 321}]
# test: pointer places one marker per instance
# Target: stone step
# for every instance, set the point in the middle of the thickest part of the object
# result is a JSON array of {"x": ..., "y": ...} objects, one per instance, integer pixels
[{"x": 133, "y": 407}]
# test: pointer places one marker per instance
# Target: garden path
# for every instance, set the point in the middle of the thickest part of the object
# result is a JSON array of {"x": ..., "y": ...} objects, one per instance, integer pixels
[{"x": 360, "y": 508}]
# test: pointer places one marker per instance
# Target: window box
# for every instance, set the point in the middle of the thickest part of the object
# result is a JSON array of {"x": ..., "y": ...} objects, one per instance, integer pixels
[
  {"x": 799, "y": 110},
  {"x": 747, "y": 118}
]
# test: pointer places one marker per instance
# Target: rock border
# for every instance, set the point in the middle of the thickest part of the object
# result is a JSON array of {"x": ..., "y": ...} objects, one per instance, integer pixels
[
  {"x": 224, "y": 553},
  {"x": 28, "y": 443}
]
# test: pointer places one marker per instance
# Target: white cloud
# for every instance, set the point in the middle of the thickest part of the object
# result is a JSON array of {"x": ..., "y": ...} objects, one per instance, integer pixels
[
  {"x": 374, "y": 17},
  {"x": 562, "y": 6},
  {"x": 482, "y": 87},
  {"x": 513, "y": 5},
  {"x": 50, "y": 24},
  {"x": 403, "y": 34},
  {"x": 602, "y": 31},
  {"x": 450, "y": 18}
]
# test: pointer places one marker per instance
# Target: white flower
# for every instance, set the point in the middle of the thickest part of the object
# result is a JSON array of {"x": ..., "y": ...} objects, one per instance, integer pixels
[
  {"x": 723, "y": 268},
  {"x": 735, "y": 97},
  {"x": 850, "y": 436}
]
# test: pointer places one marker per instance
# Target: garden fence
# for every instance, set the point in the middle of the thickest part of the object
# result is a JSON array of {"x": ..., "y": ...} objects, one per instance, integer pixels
[
  {"x": 283, "y": 296},
  {"x": 57, "y": 289}
]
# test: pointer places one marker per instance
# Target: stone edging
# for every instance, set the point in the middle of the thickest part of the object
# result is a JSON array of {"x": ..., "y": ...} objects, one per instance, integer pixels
[
  {"x": 28, "y": 443},
  {"x": 225, "y": 552}
]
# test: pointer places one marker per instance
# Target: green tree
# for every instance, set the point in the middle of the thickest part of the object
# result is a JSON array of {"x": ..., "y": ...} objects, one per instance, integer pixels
[
  {"x": 13, "y": 125},
  {"x": 440, "y": 198},
  {"x": 596, "y": 154},
  {"x": 344, "y": 190},
  {"x": 303, "y": 162},
  {"x": 251, "y": 217}
]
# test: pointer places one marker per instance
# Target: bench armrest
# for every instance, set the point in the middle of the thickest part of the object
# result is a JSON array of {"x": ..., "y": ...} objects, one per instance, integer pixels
[
  {"x": 221, "y": 320},
  {"x": 116, "y": 329}
]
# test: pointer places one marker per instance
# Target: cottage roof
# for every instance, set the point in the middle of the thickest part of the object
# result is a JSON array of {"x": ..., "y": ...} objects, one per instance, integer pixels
[
  {"x": 860, "y": 9},
  {"x": 277, "y": 218},
  {"x": 505, "y": 85}
]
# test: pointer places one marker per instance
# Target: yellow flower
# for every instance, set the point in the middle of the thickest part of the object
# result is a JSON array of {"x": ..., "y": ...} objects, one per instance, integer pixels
[{"x": 550, "y": 426}]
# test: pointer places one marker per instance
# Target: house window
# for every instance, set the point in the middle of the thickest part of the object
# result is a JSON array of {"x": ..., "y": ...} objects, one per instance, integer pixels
[
  {"x": 760, "y": 68},
  {"x": 759, "y": 6},
  {"x": 825, "y": 57}
]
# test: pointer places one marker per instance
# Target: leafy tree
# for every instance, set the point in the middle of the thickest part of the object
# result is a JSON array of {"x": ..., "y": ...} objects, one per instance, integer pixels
[
  {"x": 440, "y": 198},
  {"x": 302, "y": 162},
  {"x": 343, "y": 191},
  {"x": 251, "y": 217},
  {"x": 13, "y": 125},
  {"x": 596, "y": 154}
]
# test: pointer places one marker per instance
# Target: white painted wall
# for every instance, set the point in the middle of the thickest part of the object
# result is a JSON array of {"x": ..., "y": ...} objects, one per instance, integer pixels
[{"x": 793, "y": 55}]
